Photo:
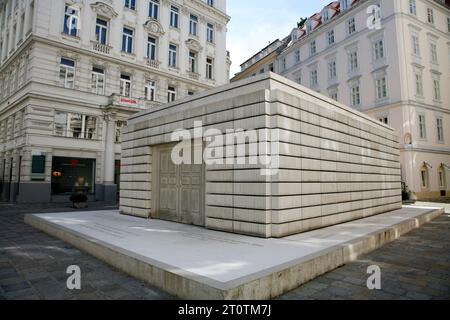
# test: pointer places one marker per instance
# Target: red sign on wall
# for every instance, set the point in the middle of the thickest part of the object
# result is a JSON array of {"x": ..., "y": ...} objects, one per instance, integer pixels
[{"x": 128, "y": 101}]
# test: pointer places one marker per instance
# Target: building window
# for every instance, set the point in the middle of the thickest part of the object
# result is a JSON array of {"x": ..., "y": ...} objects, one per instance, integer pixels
[
  {"x": 442, "y": 178},
  {"x": 312, "y": 48},
  {"x": 98, "y": 81},
  {"x": 193, "y": 22},
  {"x": 448, "y": 24},
  {"x": 440, "y": 129},
  {"x": 192, "y": 61},
  {"x": 119, "y": 127},
  {"x": 125, "y": 85},
  {"x": 127, "y": 40},
  {"x": 299, "y": 77},
  {"x": 412, "y": 7},
  {"x": 130, "y": 4},
  {"x": 297, "y": 56},
  {"x": 71, "y": 19},
  {"x": 422, "y": 127},
  {"x": 74, "y": 125},
  {"x": 271, "y": 66},
  {"x": 424, "y": 177},
  {"x": 150, "y": 90},
  {"x": 381, "y": 88},
  {"x": 314, "y": 81},
  {"x": 334, "y": 94},
  {"x": 210, "y": 33},
  {"x": 38, "y": 167},
  {"x": 353, "y": 57},
  {"x": 101, "y": 31},
  {"x": 344, "y": 4},
  {"x": 153, "y": 11},
  {"x": 210, "y": 3},
  {"x": 172, "y": 56},
  {"x": 384, "y": 120},
  {"x": 419, "y": 84},
  {"x": 151, "y": 48},
  {"x": 31, "y": 17},
  {"x": 415, "y": 45},
  {"x": 378, "y": 48},
  {"x": 330, "y": 37},
  {"x": 433, "y": 52},
  {"x": 309, "y": 26},
  {"x": 67, "y": 73},
  {"x": 283, "y": 64},
  {"x": 332, "y": 73},
  {"x": 430, "y": 15},
  {"x": 356, "y": 95},
  {"x": 22, "y": 23},
  {"x": 171, "y": 94},
  {"x": 351, "y": 26},
  {"x": 174, "y": 15},
  {"x": 436, "y": 90},
  {"x": 209, "y": 68}
]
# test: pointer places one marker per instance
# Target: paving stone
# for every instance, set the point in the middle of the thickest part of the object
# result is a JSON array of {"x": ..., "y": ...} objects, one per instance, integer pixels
[{"x": 417, "y": 266}]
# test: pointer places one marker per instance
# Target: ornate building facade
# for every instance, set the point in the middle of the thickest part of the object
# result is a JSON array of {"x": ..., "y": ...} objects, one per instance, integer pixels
[
  {"x": 72, "y": 72},
  {"x": 391, "y": 60}
]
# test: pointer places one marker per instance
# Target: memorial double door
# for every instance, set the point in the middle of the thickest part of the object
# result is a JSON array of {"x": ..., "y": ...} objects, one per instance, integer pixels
[{"x": 179, "y": 190}]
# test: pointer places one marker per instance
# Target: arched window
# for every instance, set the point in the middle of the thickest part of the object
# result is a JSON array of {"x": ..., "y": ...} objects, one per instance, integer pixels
[
  {"x": 424, "y": 177},
  {"x": 442, "y": 178}
]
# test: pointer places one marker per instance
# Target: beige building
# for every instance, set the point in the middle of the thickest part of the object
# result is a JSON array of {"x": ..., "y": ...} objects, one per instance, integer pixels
[
  {"x": 263, "y": 61},
  {"x": 72, "y": 72},
  {"x": 391, "y": 60}
]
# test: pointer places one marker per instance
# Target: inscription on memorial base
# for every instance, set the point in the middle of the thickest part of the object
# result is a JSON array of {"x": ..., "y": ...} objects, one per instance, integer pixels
[{"x": 195, "y": 263}]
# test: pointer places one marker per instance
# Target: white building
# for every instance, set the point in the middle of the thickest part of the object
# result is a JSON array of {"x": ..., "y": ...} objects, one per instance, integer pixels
[
  {"x": 397, "y": 72},
  {"x": 72, "y": 72}
]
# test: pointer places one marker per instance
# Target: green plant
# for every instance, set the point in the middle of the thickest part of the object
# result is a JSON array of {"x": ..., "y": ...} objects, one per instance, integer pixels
[
  {"x": 301, "y": 23},
  {"x": 406, "y": 193}
]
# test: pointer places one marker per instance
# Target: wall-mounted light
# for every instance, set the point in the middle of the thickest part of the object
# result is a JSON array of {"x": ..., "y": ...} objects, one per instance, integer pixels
[{"x": 426, "y": 164}]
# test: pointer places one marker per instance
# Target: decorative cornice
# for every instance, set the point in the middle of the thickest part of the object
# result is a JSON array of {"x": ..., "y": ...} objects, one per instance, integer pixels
[
  {"x": 104, "y": 9},
  {"x": 194, "y": 45},
  {"x": 154, "y": 27}
]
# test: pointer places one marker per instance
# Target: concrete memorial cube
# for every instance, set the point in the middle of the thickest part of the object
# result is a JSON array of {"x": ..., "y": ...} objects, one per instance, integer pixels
[{"x": 264, "y": 157}]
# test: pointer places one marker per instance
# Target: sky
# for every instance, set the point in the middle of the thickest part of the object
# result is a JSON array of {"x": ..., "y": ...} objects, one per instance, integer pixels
[{"x": 255, "y": 23}]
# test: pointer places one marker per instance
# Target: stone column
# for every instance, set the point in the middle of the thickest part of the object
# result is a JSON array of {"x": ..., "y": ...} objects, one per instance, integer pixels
[{"x": 110, "y": 188}]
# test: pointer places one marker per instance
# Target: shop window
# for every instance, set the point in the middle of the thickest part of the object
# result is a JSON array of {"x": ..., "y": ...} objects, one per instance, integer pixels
[
  {"x": 73, "y": 175},
  {"x": 38, "y": 167}
]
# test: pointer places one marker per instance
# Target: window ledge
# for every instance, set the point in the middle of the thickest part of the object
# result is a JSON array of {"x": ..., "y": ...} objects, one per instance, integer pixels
[
  {"x": 127, "y": 54},
  {"x": 70, "y": 37}
]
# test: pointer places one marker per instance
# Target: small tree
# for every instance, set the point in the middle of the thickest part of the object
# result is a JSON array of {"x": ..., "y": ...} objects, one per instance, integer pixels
[
  {"x": 406, "y": 193},
  {"x": 301, "y": 23}
]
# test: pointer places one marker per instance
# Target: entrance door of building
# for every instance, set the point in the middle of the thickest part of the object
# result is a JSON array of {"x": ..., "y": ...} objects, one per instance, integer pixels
[{"x": 179, "y": 189}]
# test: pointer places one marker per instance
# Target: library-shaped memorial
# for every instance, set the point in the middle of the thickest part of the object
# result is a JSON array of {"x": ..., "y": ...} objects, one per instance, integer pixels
[{"x": 333, "y": 163}]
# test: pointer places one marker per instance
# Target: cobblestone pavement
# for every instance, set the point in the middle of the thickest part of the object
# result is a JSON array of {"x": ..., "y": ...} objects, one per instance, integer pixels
[
  {"x": 33, "y": 265},
  {"x": 414, "y": 267}
]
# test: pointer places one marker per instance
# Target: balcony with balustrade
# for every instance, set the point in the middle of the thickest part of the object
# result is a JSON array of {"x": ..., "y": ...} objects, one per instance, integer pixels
[
  {"x": 102, "y": 48},
  {"x": 153, "y": 63}
]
